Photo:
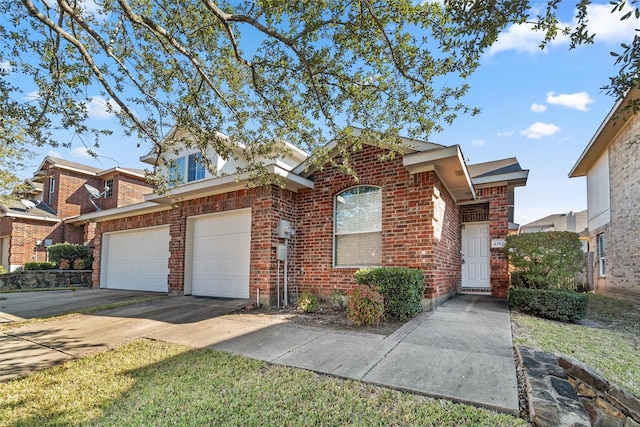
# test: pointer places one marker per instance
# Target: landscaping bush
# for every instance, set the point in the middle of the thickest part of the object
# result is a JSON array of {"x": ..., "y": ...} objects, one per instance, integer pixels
[
  {"x": 564, "y": 306},
  {"x": 2, "y": 270},
  {"x": 67, "y": 255},
  {"x": 308, "y": 302},
  {"x": 40, "y": 266},
  {"x": 545, "y": 260},
  {"x": 401, "y": 287},
  {"x": 365, "y": 306}
]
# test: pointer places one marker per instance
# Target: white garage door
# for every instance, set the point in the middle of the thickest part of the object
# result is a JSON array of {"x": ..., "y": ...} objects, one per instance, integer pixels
[
  {"x": 220, "y": 254},
  {"x": 136, "y": 260}
]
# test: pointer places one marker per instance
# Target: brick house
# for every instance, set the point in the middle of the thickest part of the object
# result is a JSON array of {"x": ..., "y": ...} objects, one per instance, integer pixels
[
  {"x": 220, "y": 237},
  {"x": 54, "y": 195},
  {"x": 610, "y": 162}
]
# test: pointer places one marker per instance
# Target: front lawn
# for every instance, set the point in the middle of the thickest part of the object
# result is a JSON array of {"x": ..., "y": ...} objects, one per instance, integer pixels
[
  {"x": 156, "y": 383},
  {"x": 611, "y": 347}
]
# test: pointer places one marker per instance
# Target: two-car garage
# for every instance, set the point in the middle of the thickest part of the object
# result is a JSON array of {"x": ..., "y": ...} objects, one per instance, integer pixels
[{"x": 217, "y": 256}]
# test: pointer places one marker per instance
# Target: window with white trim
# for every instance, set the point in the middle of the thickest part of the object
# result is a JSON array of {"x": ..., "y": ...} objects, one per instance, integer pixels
[
  {"x": 108, "y": 188},
  {"x": 602, "y": 254},
  {"x": 196, "y": 167},
  {"x": 358, "y": 227},
  {"x": 52, "y": 188}
]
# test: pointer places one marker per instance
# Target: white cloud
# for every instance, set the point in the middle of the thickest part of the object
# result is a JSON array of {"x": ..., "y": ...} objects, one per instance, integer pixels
[
  {"x": 578, "y": 101},
  {"x": 606, "y": 26},
  {"x": 54, "y": 153},
  {"x": 5, "y": 67},
  {"x": 97, "y": 108},
  {"x": 538, "y": 108},
  {"x": 34, "y": 95},
  {"x": 478, "y": 142},
  {"x": 539, "y": 130},
  {"x": 81, "y": 152},
  {"x": 506, "y": 133}
]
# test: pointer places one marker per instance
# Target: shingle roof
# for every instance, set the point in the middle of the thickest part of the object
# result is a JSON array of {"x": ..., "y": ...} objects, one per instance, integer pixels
[
  {"x": 495, "y": 167},
  {"x": 16, "y": 207}
]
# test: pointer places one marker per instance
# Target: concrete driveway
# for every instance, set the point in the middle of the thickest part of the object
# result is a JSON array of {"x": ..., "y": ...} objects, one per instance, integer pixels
[
  {"x": 16, "y": 306},
  {"x": 39, "y": 346}
]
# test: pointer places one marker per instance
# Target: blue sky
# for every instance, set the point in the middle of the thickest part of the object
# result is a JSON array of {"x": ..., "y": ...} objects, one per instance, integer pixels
[{"x": 542, "y": 107}]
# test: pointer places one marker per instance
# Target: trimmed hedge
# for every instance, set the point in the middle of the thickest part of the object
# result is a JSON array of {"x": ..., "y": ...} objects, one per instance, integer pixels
[
  {"x": 67, "y": 255},
  {"x": 40, "y": 266},
  {"x": 550, "y": 304},
  {"x": 365, "y": 305},
  {"x": 401, "y": 287}
]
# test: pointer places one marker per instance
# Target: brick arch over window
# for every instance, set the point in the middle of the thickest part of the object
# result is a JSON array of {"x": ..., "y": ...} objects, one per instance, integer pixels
[{"x": 358, "y": 227}]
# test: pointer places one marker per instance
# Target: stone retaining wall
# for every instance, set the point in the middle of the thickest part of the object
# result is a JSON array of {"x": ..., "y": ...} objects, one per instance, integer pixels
[
  {"x": 563, "y": 391},
  {"x": 606, "y": 403},
  {"x": 45, "y": 279}
]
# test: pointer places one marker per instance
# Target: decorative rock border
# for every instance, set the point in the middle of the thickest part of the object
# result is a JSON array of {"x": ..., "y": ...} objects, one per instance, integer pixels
[
  {"x": 42, "y": 279},
  {"x": 563, "y": 391}
]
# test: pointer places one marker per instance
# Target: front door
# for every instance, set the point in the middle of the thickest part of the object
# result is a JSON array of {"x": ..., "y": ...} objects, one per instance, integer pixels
[{"x": 475, "y": 256}]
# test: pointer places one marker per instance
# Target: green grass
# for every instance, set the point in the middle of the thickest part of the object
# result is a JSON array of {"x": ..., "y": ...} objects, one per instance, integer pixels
[
  {"x": 88, "y": 310},
  {"x": 161, "y": 384},
  {"x": 611, "y": 348}
]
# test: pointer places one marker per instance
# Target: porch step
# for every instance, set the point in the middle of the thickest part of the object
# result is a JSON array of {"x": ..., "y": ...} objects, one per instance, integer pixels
[{"x": 475, "y": 291}]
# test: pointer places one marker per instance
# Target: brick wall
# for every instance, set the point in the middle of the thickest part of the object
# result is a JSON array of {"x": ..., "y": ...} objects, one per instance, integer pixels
[
  {"x": 407, "y": 226},
  {"x": 127, "y": 190},
  {"x": 26, "y": 233},
  {"x": 623, "y": 232}
]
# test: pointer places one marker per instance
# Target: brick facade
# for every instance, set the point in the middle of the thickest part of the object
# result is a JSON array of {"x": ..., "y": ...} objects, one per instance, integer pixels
[
  {"x": 622, "y": 234},
  {"x": 408, "y": 237}
]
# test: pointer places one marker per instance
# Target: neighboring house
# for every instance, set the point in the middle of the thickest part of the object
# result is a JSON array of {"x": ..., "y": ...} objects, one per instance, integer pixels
[
  {"x": 573, "y": 221},
  {"x": 611, "y": 164},
  {"x": 220, "y": 237},
  {"x": 57, "y": 193}
]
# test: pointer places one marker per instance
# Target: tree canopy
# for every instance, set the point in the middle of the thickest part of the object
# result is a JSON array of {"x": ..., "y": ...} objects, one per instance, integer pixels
[{"x": 256, "y": 70}]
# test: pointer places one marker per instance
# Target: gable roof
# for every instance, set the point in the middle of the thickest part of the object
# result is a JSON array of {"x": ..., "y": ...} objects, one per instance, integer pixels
[
  {"x": 608, "y": 130},
  {"x": 503, "y": 170},
  {"x": 84, "y": 169}
]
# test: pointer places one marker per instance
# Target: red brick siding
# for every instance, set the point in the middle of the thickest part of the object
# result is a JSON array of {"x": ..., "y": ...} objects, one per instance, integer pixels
[
  {"x": 407, "y": 229},
  {"x": 127, "y": 190},
  {"x": 26, "y": 233}
]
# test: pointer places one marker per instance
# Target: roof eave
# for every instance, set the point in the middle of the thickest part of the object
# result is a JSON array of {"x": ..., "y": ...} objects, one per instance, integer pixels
[{"x": 448, "y": 163}]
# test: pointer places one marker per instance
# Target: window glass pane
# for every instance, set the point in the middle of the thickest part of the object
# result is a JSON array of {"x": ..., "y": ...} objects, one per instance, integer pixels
[
  {"x": 358, "y": 225},
  {"x": 176, "y": 172},
  {"x": 359, "y": 210},
  {"x": 196, "y": 167},
  {"x": 359, "y": 249},
  {"x": 108, "y": 188}
]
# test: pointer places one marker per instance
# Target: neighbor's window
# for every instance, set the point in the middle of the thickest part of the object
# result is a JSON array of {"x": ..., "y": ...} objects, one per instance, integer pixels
[
  {"x": 108, "y": 188},
  {"x": 358, "y": 227},
  {"x": 52, "y": 188},
  {"x": 196, "y": 167},
  {"x": 602, "y": 253}
]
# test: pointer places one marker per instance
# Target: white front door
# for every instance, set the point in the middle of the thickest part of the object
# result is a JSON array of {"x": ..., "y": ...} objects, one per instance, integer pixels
[{"x": 475, "y": 256}]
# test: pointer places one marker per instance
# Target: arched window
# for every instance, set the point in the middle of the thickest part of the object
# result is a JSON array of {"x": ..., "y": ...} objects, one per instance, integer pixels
[{"x": 358, "y": 227}]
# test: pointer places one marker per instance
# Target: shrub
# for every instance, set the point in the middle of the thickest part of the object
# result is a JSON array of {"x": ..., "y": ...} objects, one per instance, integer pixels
[
  {"x": 339, "y": 300},
  {"x": 544, "y": 260},
  {"x": 402, "y": 288},
  {"x": 365, "y": 306},
  {"x": 308, "y": 302},
  {"x": 66, "y": 255},
  {"x": 564, "y": 306},
  {"x": 40, "y": 266},
  {"x": 2, "y": 270}
]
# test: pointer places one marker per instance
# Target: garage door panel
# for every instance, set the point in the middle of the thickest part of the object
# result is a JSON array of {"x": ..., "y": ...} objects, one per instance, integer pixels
[
  {"x": 136, "y": 260},
  {"x": 221, "y": 255}
]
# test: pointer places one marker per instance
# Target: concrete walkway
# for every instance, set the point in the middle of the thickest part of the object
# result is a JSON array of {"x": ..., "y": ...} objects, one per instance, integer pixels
[{"x": 462, "y": 352}]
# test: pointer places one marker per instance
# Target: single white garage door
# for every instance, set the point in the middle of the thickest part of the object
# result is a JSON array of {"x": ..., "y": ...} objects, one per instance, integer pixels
[
  {"x": 220, "y": 254},
  {"x": 136, "y": 260}
]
